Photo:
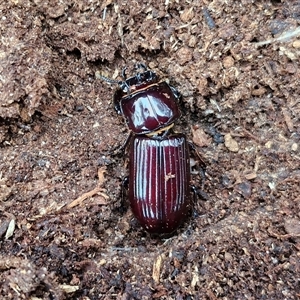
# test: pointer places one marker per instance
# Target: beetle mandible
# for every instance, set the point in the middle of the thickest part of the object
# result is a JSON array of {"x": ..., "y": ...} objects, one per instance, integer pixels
[{"x": 159, "y": 165}]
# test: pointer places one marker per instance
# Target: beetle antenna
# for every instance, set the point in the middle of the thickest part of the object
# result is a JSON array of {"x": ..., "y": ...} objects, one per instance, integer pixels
[
  {"x": 109, "y": 80},
  {"x": 123, "y": 84}
]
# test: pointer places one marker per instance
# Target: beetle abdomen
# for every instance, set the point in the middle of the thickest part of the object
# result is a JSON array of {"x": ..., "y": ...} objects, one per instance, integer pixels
[{"x": 159, "y": 182}]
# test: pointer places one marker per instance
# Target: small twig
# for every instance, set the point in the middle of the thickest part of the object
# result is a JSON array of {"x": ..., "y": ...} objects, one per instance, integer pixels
[
  {"x": 282, "y": 38},
  {"x": 97, "y": 190},
  {"x": 251, "y": 135},
  {"x": 283, "y": 236}
]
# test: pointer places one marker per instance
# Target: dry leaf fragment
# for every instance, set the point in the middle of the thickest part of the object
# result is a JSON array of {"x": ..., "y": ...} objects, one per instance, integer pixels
[
  {"x": 156, "y": 268},
  {"x": 250, "y": 176},
  {"x": 69, "y": 288},
  {"x": 10, "y": 229},
  {"x": 200, "y": 138}
]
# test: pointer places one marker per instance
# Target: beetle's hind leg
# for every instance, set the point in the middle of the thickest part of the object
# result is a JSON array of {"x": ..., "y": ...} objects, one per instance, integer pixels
[
  {"x": 124, "y": 190},
  {"x": 202, "y": 165},
  {"x": 197, "y": 192}
]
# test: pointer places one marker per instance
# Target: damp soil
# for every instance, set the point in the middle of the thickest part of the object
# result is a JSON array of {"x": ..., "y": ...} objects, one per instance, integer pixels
[{"x": 64, "y": 232}]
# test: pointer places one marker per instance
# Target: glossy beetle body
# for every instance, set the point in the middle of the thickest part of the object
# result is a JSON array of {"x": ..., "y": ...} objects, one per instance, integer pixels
[
  {"x": 159, "y": 176},
  {"x": 159, "y": 172}
]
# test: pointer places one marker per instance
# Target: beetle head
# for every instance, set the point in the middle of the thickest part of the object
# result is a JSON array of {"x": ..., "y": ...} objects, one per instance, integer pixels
[{"x": 136, "y": 82}]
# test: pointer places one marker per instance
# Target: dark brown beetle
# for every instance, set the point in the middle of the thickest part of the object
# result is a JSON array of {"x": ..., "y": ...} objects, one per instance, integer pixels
[{"x": 159, "y": 166}]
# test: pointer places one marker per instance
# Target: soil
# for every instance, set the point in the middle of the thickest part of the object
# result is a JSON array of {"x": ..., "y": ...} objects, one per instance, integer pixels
[{"x": 62, "y": 232}]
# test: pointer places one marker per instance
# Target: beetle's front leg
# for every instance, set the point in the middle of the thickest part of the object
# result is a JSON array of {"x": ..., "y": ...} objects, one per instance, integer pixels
[{"x": 121, "y": 149}]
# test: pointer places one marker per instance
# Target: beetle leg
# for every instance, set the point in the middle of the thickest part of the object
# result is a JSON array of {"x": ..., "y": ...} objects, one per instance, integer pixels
[
  {"x": 202, "y": 166},
  {"x": 198, "y": 192},
  {"x": 124, "y": 188},
  {"x": 202, "y": 195},
  {"x": 176, "y": 93},
  {"x": 202, "y": 162},
  {"x": 124, "y": 73},
  {"x": 116, "y": 101},
  {"x": 121, "y": 149},
  {"x": 194, "y": 191}
]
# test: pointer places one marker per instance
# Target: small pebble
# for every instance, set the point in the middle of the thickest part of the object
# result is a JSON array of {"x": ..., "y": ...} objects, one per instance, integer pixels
[{"x": 230, "y": 143}]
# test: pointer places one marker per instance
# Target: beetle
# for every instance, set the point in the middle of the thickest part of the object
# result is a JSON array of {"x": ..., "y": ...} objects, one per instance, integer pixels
[{"x": 159, "y": 165}]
